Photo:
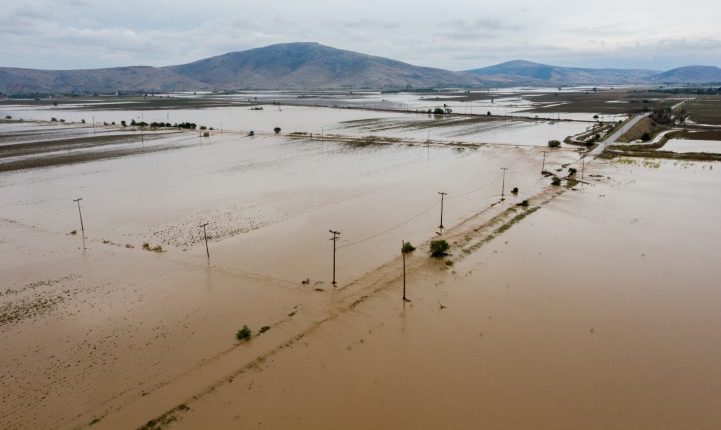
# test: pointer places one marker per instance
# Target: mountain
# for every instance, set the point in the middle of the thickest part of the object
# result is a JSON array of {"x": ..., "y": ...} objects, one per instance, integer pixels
[
  {"x": 542, "y": 74},
  {"x": 136, "y": 78},
  {"x": 311, "y": 66},
  {"x": 690, "y": 74},
  {"x": 283, "y": 66},
  {"x": 315, "y": 66}
]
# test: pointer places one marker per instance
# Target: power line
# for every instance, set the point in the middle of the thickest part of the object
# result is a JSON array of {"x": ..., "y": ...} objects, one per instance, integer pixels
[{"x": 414, "y": 217}]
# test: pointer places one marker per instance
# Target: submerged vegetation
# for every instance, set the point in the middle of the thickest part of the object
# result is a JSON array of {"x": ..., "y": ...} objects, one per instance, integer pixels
[
  {"x": 439, "y": 248},
  {"x": 407, "y": 247},
  {"x": 244, "y": 333},
  {"x": 554, "y": 143}
]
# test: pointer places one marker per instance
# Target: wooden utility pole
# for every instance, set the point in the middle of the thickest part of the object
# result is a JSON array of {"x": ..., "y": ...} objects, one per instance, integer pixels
[
  {"x": 403, "y": 253},
  {"x": 205, "y": 235},
  {"x": 442, "y": 195},
  {"x": 583, "y": 166},
  {"x": 503, "y": 184},
  {"x": 82, "y": 227},
  {"x": 543, "y": 166},
  {"x": 334, "y": 239}
]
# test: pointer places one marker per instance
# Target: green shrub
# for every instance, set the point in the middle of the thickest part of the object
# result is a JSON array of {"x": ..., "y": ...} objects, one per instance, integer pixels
[
  {"x": 438, "y": 111},
  {"x": 264, "y": 329},
  {"x": 244, "y": 333},
  {"x": 554, "y": 143},
  {"x": 439, "y": 248},
  {"x": 556, "y": 181},
  {"x": 645, "y": 137},
  {"x": 408, "y": 247}
]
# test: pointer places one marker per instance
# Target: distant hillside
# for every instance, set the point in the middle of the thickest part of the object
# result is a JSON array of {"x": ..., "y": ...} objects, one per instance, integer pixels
[
  {"x": 542, "y": 74},
  {"x": 690, "y": 75},
  {"x": 311, "y": 66},
  {"x": 283, "y": 66},
  {"x": 138, "y": 78}
]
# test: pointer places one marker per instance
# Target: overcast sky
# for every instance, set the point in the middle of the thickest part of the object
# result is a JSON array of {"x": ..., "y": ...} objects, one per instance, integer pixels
[{"x": 452, "y": 34}]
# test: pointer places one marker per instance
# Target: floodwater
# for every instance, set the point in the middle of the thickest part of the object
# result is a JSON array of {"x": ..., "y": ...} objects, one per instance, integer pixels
[
  {"x": 321, "y": 121},
  {"x": 688, "y": 145},
  {"x": 581, "y": 316},
  {"x": 94, "y": 317},
  {"x": 573, "y": 310}
]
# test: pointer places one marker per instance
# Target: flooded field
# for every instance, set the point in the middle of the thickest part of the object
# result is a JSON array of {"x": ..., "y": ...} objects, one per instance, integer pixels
[
  {"x": 688, "y": 145},
  {"x": 320, "y": 120},
  {"x": 604, "y": 326},
  {"x": 563, "y": 301}
]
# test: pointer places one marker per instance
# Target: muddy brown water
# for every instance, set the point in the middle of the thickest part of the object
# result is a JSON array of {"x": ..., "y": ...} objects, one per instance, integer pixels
[
  {"x": 98, "y": 325},
  {"x": 598, "y": 311},
  {"x": 579, "y": 315}
]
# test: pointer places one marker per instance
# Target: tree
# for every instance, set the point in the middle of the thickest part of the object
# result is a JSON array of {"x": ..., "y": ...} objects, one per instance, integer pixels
[
  {"x": 438, "y": 111},
  {"x": 407, "y": 247},
  {"x": 244, "y": 333},
  {"x": 276, "y": 130},
  {"x": 439, "y": 248},
  {"x": 554, "y": 143}
]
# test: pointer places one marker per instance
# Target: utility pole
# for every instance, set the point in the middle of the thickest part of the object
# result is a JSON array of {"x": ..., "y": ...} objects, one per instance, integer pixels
[
  {"x": 583, "y": 166},
  {"x": 334, "y": 239},
  {"x": 206, "y": 239},
  {"x": 503, "y": 184},
  {"x": 93, "y": 125},
  {"x": 82, "y": 227},
  {"x": 442, "y": 196},
  {"x": 403, "y": 253},
  {"x": 543, "y": 166},
  {"x": 142, "y": 133}
]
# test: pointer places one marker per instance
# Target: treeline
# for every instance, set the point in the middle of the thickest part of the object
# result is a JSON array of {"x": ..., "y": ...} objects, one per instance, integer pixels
[
  {"x": 186, "y": 125},
  {"x": 698, "y": 91}
]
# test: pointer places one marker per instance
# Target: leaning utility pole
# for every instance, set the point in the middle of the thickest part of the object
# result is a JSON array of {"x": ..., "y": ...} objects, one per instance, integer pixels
[
  {"x": 205, "y": 235},
  {"x": 334, "y": 239},
  {"x": 442, "y": 195},
  {"x": 503, "y": 184},
  {"x": 82, "y": 227}
]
